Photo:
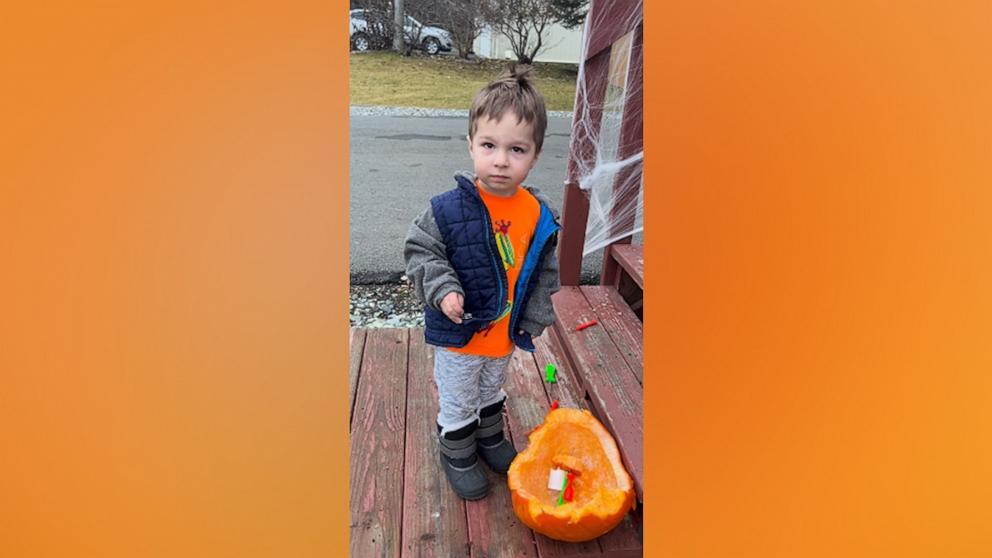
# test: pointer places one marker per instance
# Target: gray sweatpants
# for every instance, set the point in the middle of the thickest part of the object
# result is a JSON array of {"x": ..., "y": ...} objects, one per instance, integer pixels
[{"x": 466, "y": 384}]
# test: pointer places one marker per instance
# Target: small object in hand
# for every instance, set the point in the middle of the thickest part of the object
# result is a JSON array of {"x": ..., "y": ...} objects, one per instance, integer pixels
[
  {"x": 549, "y": 374},
  {"x": 467, "y": 316},
  {"x": 554, "y": 404},
  {"x": 590, "y": 323},
  {"x": 556, "y": 479}
]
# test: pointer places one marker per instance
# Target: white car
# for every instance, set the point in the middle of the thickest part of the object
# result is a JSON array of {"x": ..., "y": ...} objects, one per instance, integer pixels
[{"x": 431, "y": 40}]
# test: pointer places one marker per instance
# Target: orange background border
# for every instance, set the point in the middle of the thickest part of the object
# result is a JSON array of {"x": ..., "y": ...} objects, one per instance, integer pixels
[
  {"x": 174, "y": 325},
  {"x": 819, "y": 303},
  {"x": 174, "y": 317}
]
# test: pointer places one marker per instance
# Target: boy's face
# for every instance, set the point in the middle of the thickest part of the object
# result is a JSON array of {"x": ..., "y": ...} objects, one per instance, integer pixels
[{"x": 503, "y": 152}]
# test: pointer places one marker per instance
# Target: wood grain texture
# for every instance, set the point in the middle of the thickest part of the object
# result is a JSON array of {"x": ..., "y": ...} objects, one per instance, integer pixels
[
  {"x": 567, "y": 388},
  {"x": 621, "y": 324},
  {"x": 494, "y": 530},
  {"x": 610, "y": 384},
  {"x": 356, "y": 346},
  {"x": 377, "y": 440},
  {"x": 631, "y": 259},
  {"x": 627, "y": 539},
  {"x": 434, "y": 522},
  {"x": 526, "y": 402}
]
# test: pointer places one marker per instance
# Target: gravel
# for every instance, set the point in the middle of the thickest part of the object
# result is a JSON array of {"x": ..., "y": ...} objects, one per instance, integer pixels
[
  {"x": 385, "y": 305},
  {"x": 429, "y": 112}
]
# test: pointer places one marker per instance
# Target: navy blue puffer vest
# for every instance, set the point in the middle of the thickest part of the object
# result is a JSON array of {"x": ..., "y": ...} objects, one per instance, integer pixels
[{"x": 467, "y": 233}]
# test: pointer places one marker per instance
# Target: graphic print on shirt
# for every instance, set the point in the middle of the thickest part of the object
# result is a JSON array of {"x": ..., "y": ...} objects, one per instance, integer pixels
[
  {"x": 502, "y": 316},
  {"x": 503, "y": 243},
  {"x": 505, "y": 246}
]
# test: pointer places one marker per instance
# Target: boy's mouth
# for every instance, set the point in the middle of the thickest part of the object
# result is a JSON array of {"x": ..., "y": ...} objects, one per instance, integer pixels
[{"x": 499, "y": 177}]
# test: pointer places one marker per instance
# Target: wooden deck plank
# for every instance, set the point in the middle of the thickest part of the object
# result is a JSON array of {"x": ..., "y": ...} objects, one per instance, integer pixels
[
  {"x": 494, "y": 530},
  {"x": 527, "y": 405},
  {"x": 621, "y": 324},
  {"x": 377, "y": 439},
  {"x": 631, "y": 259},
  {"x": 356, "y": 344},
  {"x": 627, "y": 539},
  {"x": 568, "y": 387},
  {"x": 434, "y": 523},
  {"x": 616, "y": 396}
]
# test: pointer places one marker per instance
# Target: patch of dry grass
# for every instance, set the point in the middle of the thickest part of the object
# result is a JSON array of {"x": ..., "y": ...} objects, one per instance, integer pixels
[{"x": 388, "y": 79}]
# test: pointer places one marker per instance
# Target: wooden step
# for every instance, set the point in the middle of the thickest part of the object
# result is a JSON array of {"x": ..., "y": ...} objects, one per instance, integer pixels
[
  {"x": 630, "y": 258},
  {"x": 609, "y": 358}
]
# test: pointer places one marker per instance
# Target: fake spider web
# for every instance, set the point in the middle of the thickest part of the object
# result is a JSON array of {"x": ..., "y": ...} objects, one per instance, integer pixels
[{"x": 607, "y": 150}]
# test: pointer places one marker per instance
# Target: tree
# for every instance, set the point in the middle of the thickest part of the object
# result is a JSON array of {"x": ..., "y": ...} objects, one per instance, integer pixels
[
  {"x": 525, "y": 22},
  {"x": 570, "y": 13},
  {"x": 384, "y": 18},
  {"x": 387, "y": 22},
  {"x": 378, "y": 17},
  {"x": 398, "y": 16},
  {"x": 462, "y": 18}
]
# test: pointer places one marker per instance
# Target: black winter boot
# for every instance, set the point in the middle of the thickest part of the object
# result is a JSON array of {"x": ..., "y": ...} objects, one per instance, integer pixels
[
  {"x": 494, "y": 448},
  {"x": 460, "y": 464}
]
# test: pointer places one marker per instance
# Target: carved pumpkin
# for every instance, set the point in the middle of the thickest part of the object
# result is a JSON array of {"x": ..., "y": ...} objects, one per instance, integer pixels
[{"x": 602, "y": 490}]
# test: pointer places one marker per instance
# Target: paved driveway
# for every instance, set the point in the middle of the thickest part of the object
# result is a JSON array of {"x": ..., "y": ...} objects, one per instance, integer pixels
[{"x": 399, "y": 162}]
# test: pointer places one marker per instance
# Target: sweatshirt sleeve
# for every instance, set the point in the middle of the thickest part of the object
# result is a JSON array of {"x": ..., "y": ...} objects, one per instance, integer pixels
[
  {"x": 539, "y": 312},
  {"x": 427, "y": 263}
]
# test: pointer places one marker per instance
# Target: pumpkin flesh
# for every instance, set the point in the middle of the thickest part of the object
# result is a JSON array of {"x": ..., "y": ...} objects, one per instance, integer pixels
[{"x": 602, "y": 488}]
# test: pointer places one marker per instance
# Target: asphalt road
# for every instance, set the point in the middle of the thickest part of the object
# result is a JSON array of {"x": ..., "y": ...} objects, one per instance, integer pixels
[{"x": 399, "y": 162}]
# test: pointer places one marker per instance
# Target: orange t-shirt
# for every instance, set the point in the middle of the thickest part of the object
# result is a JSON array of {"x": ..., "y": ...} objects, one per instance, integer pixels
[{"x": 514, "y": 219}]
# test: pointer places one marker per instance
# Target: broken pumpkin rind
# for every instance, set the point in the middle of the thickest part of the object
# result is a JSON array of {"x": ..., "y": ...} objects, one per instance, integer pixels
[{"x": 603, "y": 488}]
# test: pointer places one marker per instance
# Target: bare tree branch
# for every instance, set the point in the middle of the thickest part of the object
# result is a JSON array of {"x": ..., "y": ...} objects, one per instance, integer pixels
[{"x": 525, "y": 22}]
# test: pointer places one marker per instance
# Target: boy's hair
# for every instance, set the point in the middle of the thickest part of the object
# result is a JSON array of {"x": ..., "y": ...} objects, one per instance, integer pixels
[{"x": 513, "y": 91}]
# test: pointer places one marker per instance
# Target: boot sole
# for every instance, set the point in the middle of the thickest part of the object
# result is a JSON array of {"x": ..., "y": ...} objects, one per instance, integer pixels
[
  {"x": 473, "y": 497},
  {"x": 466, "y": 495}
]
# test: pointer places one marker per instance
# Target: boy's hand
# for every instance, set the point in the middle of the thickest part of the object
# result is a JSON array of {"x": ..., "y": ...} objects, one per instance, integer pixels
[{"x": 451, "y": 305}]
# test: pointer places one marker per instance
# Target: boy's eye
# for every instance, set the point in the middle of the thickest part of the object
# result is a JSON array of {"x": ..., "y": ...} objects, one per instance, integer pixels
[
  {"x": 487, "y": 145},
  {"x": 519, "y": 150}
]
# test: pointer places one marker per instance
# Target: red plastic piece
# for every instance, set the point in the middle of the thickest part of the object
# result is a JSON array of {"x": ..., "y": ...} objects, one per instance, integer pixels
[
  {"x": 590, "y": 323},
  {"x": 554, "y": 404},
  {"x": 568, "y": 488}
]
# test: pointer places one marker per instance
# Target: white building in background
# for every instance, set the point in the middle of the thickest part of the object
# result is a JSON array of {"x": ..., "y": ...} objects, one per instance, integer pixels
[{"x": 561, "y": 45}]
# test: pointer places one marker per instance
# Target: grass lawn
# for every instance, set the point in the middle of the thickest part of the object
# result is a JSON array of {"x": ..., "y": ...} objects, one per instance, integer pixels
[{"x": 389, "y": 79}]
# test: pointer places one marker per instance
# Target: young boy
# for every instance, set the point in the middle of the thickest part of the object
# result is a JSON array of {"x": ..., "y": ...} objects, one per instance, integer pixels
[{"x": 482, "y": 258}]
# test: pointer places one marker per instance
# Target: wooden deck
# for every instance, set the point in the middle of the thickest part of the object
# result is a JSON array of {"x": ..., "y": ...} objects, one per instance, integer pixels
[
  {"x": 401, "y": 504},
  {"x": 630, "y": 258}
]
